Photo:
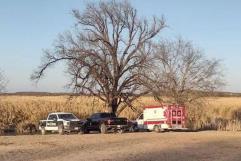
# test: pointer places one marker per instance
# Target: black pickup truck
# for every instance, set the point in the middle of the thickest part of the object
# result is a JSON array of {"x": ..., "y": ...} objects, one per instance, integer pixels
[{"x": 105, "y": 122}]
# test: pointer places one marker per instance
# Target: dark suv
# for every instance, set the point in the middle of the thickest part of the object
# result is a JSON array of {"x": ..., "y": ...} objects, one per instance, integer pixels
[{"x": 104, "y": 122}]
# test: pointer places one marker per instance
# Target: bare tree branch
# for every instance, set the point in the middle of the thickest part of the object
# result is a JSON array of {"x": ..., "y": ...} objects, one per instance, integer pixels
[
  {"x": 185, "y": 74},
  {"x": 107, "y": 52}
]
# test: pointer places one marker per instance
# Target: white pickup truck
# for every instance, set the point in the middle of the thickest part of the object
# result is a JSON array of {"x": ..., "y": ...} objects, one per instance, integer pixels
[{"x": 60, "y": 122}]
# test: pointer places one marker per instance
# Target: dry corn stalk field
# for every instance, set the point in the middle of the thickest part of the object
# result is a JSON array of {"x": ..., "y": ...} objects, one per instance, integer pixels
[{"x": 222, "y": 113}]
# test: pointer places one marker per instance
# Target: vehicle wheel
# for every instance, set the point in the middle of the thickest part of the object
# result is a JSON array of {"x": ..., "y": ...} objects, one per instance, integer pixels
[
  {"x": 121, "y": 131},
  {"x": 43, "y": 131},
  {"x": 156, "y": 128},
  {"x": 103, "y": 129},
  {"x": 83, "y": 131},
  {"x": 131, "y": 129},
  {"x": 61, "y": 129}
]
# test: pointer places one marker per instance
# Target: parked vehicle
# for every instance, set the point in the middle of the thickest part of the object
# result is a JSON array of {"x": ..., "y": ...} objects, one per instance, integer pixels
[
  {"x": 162, "y": 117},
  {"x": 60, "y": 122},
  {"x": 104, "y": 122}
]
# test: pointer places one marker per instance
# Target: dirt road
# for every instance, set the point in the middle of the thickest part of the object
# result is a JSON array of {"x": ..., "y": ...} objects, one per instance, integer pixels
[{"x": 181, "y": 146}]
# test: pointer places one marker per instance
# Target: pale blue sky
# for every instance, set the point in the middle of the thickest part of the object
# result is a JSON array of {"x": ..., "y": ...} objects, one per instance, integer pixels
[{"x": 29, "y": 26}]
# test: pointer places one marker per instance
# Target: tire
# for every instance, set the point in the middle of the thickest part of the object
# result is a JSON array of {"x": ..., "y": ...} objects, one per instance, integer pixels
[
  {"x": 131, "y": 129},
  {"x": 61, "y": 129},
  {"x": 43, "y": 131},
  {"x": 156, "y": 128},
  {"x": 83, "y": 131},
  {"x": 86, "y": 131},
  {"x": 103, "y": 128},
  {"x": 121, "y": 131}
]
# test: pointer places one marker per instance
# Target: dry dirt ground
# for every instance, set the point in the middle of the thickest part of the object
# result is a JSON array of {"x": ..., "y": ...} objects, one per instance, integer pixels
[{"x": 181, "y": 146}]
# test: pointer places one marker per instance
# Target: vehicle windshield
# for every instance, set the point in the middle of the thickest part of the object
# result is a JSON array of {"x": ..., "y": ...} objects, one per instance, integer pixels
[{"x": 67, "y": 116}]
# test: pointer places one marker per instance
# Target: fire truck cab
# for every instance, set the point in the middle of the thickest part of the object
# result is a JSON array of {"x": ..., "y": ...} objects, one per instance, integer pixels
[{"x": 162, "y": 117}]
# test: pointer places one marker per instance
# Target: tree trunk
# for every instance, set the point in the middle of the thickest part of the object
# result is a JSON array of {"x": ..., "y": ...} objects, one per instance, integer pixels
[{"x": 112, "y": 105}]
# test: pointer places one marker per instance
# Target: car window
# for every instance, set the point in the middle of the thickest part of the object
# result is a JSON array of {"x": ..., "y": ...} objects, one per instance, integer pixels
[
  {"x": 179, "y": 113},
  {"x": 105, "y": 115},
  {"x": 94, "y": 116},
  {"x": 173, "y": 113},
  {"x": 52, "y": 117},
  {"x": 66, "y": 116}
]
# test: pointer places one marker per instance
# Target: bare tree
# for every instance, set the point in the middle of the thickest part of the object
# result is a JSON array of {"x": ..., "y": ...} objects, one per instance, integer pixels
[
  {"x": 106, "y": 53},
  {"x": 183, "y": 72}
]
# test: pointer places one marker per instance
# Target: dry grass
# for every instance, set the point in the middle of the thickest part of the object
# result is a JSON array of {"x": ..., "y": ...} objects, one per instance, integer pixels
[
  {"x": 226, "y": 111},
  {"x": 222, "y": 113},
  {"x": 22, "y": 110}
]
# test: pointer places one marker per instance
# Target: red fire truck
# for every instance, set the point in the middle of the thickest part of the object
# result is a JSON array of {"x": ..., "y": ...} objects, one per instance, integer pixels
[{"x": 162, "y": 117}]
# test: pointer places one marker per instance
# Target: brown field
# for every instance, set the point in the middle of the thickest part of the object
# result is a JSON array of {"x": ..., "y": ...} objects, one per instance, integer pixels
[
  {"x": 171, "y": 146},
  {"x": 182, "y": 146},
  {"x": 21, "y": 110}
]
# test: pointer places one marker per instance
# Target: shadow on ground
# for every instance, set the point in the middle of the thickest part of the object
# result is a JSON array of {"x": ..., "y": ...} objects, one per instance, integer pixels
[
  {"x": 208, "y": 151},
  {"x": 133, "y": 147}
]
